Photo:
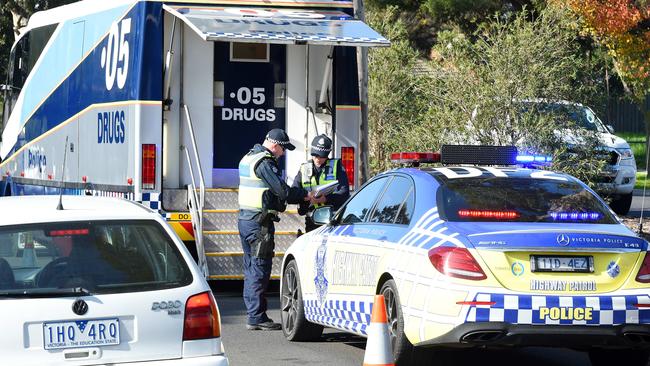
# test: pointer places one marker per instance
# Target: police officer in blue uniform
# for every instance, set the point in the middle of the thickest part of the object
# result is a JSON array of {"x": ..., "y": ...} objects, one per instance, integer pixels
[
  {"x": 319, "y": 170},
  {"x": 262, "y": 194}
]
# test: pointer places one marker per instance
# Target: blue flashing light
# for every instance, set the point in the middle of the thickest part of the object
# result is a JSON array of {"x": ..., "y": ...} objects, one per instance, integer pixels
[
  {"x": 574, "y": 216},
  {"x": 538, "y": 159},
  {"x": 525, "y": 158}
]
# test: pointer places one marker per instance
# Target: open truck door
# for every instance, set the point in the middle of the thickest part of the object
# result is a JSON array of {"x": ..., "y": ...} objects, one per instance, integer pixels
[{"x": 278, "y": 67}]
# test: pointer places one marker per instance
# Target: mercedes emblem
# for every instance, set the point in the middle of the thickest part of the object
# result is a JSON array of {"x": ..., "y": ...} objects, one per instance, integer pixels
[
  {"x": 80, "y": 307},
  {"x": 563, "y": 239}
]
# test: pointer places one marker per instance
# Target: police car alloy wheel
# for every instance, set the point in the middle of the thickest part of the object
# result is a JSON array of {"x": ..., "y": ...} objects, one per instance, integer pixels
[
  {"x": 294, "y": 325},
  {"x": 402, "y": 348}
]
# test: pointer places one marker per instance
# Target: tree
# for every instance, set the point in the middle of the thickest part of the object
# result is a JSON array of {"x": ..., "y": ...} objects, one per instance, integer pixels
[
  {"x": 623, "y": 28},
  {"x": 487, "y": 90},
  {"x": 474, "y": 90},
  {"x": 397, "y": 96}
]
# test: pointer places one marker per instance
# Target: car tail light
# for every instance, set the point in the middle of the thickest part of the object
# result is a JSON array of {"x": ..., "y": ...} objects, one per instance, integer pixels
[
  {"x": 201, "y": 318},
  {"x": 456, "y": 262},
  {"x": 644, "y": 272},
  {"x": 148, "y": 166},
  {"x": 348, "y": 161}
]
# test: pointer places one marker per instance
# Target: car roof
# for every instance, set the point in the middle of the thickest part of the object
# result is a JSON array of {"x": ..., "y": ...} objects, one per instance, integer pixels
[
  {"x": 512, "y": 172},
  {"x": 33, "y": 209}
]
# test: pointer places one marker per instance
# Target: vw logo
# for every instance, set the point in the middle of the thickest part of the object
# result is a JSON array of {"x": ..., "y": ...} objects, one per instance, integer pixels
[
  {"x": 563, "y": 240},
  {"x": 80, "y": 307}
]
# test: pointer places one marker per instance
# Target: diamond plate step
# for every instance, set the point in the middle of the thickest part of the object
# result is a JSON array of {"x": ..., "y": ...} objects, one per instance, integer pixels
[
  {"x": 230, "y": 267},
  {"x": 228, "y": 241},
  {"x": 221, "y": 237},
  {"x": 226, "y": 219}
]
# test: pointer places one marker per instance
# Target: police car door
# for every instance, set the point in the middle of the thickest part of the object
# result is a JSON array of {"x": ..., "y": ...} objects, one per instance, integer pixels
[
  {"x": 358, "y": 244},
  {"x": 249, "y": 101}
]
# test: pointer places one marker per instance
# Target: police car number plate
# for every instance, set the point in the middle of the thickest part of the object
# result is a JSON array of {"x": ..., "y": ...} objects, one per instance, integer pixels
[
  {"x": 561, "y": 263},
  {"x": 81, "y": 333}
]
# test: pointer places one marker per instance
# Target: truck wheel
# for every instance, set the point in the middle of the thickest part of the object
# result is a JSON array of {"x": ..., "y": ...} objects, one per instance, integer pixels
[
  {"x": 402, "y": 347},
  {"x": 294, "y": 324},
  {"x": 621, "y": 204}
]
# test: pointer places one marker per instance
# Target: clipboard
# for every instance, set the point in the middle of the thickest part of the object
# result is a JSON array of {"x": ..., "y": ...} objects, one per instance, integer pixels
[{"x": 325, "y": 189}]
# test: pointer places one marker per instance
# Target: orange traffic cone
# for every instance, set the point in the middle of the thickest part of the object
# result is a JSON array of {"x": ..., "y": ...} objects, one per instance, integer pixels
[{"x": 378, "y": 348}]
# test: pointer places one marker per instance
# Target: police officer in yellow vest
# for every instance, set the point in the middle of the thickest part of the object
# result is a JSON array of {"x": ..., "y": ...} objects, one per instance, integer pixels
[
  {"x": 317, "y": 171},
  {"x": 262, "y": 194}
]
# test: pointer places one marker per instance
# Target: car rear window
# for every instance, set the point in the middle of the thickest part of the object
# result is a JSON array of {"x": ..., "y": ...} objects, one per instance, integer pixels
[
  {"x": 521, "y": 199},
  {"x": 98, "y": 256}
]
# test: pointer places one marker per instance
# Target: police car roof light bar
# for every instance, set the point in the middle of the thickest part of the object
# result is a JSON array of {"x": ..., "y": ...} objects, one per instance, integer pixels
[
  {"x": 538, "y": 159},
  {"x": 478, "y": 154},
  {"x": 415, "y": 158}
]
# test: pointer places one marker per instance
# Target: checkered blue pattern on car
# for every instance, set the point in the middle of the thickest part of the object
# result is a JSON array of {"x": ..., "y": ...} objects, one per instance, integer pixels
[
  {"x": 292, "y": 37},
  {"x": 151, "y": 200},
  {"x": 349, "y": 315},
  {"x": 527, "y": 309}
]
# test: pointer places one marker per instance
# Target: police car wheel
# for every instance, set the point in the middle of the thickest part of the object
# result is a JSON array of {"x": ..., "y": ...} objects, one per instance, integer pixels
[
  {"x": 294, "y": 324},
  {"x": 604, "y": 357},
  {"x": 402, "y": 347}
]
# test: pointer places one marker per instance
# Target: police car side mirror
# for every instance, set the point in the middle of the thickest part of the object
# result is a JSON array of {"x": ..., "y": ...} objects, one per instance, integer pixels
[
  {"x": 322, "y": 215},
  {"x": 610, "y": 128}
]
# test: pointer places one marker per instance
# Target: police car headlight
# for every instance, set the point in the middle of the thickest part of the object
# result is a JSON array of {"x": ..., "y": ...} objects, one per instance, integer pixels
[{"x": 626, "y": 153}]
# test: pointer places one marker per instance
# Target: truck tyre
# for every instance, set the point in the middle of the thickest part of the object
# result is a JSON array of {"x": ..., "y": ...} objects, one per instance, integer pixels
[
  {"x": 294, "y": 324},
  {"x": 621, "y": 204}
]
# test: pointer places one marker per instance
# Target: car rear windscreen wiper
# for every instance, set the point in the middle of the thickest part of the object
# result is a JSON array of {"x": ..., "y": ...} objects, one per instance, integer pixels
[{"x": 46, "y": 292}]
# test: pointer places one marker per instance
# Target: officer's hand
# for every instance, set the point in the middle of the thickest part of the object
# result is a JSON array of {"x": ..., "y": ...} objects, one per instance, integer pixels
[
  {"x": 318, "y": 200},
  {"x": 309, "y": 196}
]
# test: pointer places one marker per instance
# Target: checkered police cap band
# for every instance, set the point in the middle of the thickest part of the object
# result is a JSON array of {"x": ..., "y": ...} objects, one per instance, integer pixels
[
  {"x": 281, "y": 143},
  {"x": 319, "y": 148}
]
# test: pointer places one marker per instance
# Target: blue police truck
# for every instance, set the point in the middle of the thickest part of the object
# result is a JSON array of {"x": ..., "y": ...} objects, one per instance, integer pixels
[{"x": 157, "y": 101}]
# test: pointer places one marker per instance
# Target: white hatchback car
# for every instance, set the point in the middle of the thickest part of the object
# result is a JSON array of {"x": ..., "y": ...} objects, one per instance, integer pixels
[{"x": 103, "y": 281}]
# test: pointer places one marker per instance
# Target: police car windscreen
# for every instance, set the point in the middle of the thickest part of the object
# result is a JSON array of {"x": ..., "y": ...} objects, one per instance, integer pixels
[
  {"x": 99, "y": 256},
  {"x": 520, "y": 199}
]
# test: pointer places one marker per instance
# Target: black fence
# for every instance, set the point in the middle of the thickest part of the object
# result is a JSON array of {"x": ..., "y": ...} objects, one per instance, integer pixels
[{"x": 625, "y": 116}]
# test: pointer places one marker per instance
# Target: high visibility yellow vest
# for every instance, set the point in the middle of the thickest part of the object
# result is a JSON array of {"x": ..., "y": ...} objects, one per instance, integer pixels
[
  {"x": 251, "y": 188},
  {"x": 327, "y": 175}
]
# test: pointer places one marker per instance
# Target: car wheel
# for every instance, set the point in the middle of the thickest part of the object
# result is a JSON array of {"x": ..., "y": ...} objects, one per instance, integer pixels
[
  {"x": 294, "y": 324},
  {"x": 402, "y": 347},
  {"x": 604, "y": 357},
  {"x": 621, "y": 204}
]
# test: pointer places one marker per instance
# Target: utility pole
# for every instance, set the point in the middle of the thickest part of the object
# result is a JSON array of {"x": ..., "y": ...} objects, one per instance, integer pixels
[{"x": 362, "y": 70}]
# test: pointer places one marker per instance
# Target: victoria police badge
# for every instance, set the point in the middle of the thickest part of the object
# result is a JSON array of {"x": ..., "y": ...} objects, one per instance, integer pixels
[{"x": 320, "y": 281}]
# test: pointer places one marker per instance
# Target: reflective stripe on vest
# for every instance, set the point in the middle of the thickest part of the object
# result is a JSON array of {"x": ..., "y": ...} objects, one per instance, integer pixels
[
  {"x": 327, "y": 175},
  {"x": 251, "y": 188}
]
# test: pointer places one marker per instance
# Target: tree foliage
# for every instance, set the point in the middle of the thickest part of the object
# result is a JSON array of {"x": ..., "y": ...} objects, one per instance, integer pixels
[
  {"x": 397, "y": 96},
  {"x": 477, "y": 88},
  {"x": 623, "y": 27}
]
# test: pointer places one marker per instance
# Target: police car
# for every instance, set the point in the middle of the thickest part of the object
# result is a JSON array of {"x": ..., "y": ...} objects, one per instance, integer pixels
[
  {"x": 102, "y": 281},
  {"x": 474, "y": 256}
]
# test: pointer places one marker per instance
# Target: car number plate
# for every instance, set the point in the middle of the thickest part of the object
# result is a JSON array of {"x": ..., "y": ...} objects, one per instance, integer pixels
[
  {"x": 81, "y": 333},
  {"x": 561, "y": 263}
]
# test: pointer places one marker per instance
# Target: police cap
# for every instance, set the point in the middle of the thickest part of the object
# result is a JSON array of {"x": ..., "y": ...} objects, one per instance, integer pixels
[
  {"x": 278, "y": 136},
  {"x": 321, "y": 146}
]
